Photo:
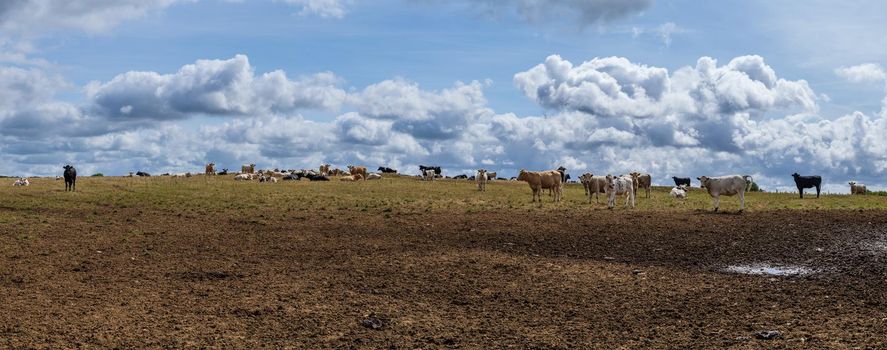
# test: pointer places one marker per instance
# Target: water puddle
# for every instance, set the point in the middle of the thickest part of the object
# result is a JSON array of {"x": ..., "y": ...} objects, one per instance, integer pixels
[{"x": 770, "y": 270}]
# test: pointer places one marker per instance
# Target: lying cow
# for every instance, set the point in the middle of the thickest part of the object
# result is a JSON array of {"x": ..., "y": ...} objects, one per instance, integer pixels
[
  {"x": 539, "y": 180},
  {"x": 620, "y": 186},
  {"x": 679, "y": 192},
  {"x": 642, "y": 181},
  {"x": 481, "y": 178},
  {"x": 681, "y": 181},
  {"x": 358, "y": 170},
  {"x": 351, "y": 178},
  {"x": 729, "y": 185},
  {"x": 243, "y": 177},
  {"x": 21, "y": 182},
  {"x": 856, "y": 188},
  {"x": 374, "y": 176},
  {"x": 807, "y": 182}
]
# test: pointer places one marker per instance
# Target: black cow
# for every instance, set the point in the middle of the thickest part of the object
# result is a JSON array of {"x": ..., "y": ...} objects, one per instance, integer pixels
[
  {"x": 807, "y": 182},
  {"x": 70, "y": 178},
  {"x": 461, "y": 177},
  {"x": 223, "y": 172},
  {"x": 292, "y": 176},
  {"x": 422, "y": 169},
  {"x": 564, "y": 175},
  {"x": 142, "y": 174},
  {"x": 317, "y": 177},
  {"x": 681, "y": 181},
  {"x": 387, "y": 170}
]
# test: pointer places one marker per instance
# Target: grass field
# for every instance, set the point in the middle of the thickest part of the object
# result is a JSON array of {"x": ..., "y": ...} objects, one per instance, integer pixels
[{"x": 209, "y": 262}]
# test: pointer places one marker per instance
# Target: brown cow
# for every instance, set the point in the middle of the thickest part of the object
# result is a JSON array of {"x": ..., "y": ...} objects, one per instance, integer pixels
[
  {"x": 351, "y": 178},
  {"x": 325, "y": 169},
  {"x": 642, "y": 181},
  {"x": 211, "y": 169},
  {"x": 355, "y": 170},
  {"x": 539, "y": 180},
  {"x": 248, "y": 168},
  {"x": 594, "y": 186}
]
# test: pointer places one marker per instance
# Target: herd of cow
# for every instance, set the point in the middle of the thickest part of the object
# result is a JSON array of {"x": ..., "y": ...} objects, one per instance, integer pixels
[{"x": 626, "y": 186}]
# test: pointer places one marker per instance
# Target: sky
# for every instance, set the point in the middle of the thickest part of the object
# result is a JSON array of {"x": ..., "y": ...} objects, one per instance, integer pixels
[{"x": 672, "y": 88}]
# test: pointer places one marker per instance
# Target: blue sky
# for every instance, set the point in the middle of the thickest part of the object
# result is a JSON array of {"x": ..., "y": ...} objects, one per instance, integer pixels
[{"x": 447, "y": 82}]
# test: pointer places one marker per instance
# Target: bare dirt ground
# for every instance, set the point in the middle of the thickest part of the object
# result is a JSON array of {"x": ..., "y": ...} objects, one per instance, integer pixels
[{"x": 277, "y": 278}]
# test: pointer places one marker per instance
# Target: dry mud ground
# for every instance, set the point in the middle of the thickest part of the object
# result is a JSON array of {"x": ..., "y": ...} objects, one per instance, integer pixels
[{"x": 528, "y": 279}]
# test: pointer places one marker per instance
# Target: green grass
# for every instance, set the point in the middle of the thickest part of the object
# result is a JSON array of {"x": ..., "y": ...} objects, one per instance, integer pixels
[{"x": 200, "y": 195}]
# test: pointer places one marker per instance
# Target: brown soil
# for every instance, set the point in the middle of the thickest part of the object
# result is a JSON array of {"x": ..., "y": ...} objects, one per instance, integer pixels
[{"x": 529, "y": 279}]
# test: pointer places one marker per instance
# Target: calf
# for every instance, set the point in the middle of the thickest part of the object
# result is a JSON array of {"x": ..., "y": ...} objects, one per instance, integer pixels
[
  {"x": 643, "y": 181},
  {"x": 679, "y": 192},
  {"x": 856, "y": 188},
  {"x": 70, "y": 178},
  {"x": 681, "y": 181},
  {"x": 730, "y": 185},
  {"x": 539, "y": 180},
  {"x": 620, "y": 186},
  {"x": 807, "y": 182},
  {"x": 481, "y": 178},
  {"x": 594, "y": 186}
]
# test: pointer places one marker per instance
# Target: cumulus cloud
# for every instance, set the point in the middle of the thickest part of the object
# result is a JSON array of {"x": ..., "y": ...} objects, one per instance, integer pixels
[
  {"x": 212, "y": 87},
  {"x": 866, "y": 72}
]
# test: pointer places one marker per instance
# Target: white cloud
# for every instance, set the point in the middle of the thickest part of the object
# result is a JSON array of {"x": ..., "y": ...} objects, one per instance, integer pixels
[
  {"x": 583, "y": 12},
  {"x": 866, "y": 72},
  {"x": 212, "y": 87},
  {"x": 34, "y": 17},
  {"x": 322, "y": 8}
]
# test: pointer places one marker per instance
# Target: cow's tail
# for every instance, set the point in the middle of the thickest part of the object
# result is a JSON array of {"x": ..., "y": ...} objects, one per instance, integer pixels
[{"x": 748, "y": 182}]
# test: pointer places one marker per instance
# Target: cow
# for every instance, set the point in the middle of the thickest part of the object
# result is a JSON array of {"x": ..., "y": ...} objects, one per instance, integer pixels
[
  {"x": 387, "y": 170},
  {"x": 210, "y": 169},
  {"x": 358, "y": 170},
  {"x": 316, "y": 177},
  {"x": 21, "y": 182},
  {"x": 131, "y": 174},
  {"x": 807, "y": 182},
  {"x": 269, "y": 179},
  {"x": 594, "y": 186},
  {"x": 460, "y": 177},
  {"x": 374, "y": 176},
  {"x": 481, "y": 178},
  {"x": 144, "y": 174},
  {"x": 428, "y": 175},
  {"x": 248, "y": 168},
  {"x": 422, "y": 169},
  {"x": 324, "y": 169},
  {"x": 856, "y": 188},
  {"x": 243, "y": 177},
  {"x": 224, "y": 171},
  {"x": 643, "y": 181},
  {"x": 351, "y": 178},
  {"x": 70, "y": 177},
  {"x": 729, "y": 185},
  {"x": 539, "y": 180},
  {"x": 679, "y": 191},
  {"x": 491, "y": 176},
  {"x": 681, "y": 181},
  {"x": 622, "y": 185}
]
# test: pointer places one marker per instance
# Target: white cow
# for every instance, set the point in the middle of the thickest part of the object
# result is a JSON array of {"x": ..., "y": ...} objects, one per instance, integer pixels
[
  {"x": 243, "y": 177},
  {"x": 21, "y": 182},
  {"x": 374, "y": 176},
  {"x": 856, "y": 188},
  {"x": 428, "y": 175},
  {"x": 679, "y": 192},
  {"x": 622, "y": 185},
  {"x": 481, "y": 178},
  {"x": 729, "y": 185}
]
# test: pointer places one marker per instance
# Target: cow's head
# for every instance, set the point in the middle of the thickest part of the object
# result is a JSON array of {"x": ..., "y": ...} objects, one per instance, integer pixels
[
  {"x": 702, "y": 181},
  {"x": 852, "y": 183},
  {"x": 796, "y": 175}
]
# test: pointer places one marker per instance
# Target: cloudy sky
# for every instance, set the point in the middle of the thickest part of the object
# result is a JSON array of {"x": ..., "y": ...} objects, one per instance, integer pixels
[{"x": 682, "y": 88}]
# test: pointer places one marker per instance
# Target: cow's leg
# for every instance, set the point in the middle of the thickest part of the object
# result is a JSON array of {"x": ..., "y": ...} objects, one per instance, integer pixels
[
  {"x": 715, "y": 200},
  {"x": 817, "y": 191},
  {"x": 741, "y": 201},
  {"x": 801, "y": 192}
]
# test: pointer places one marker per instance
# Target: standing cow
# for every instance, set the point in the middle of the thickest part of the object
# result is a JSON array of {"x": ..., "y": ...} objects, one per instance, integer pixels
[
  {"x": 594, "y": 186},
  {"x": 620, "y": 186},
  {"x": 481, "y": 178},
  {"x": 210, "y": 169},
  {"x": 642, "y": 181},
  {"x": 857, "y": 188},
  {"x": 730, "y": 185},
  {"x": 539, "y": 180},
  {"x": 248, "y": 168},
  {"x": 681, "y": 181},
  {"x": 355, "y": 170},
  {"x": 807, "y": 182},
  {"x": 428, "y": 175},
  {"x": 70, "y": 178}
]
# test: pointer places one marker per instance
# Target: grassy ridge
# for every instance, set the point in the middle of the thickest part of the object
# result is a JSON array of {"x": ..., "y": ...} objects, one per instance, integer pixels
[{"x": 403, "y": 194}]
